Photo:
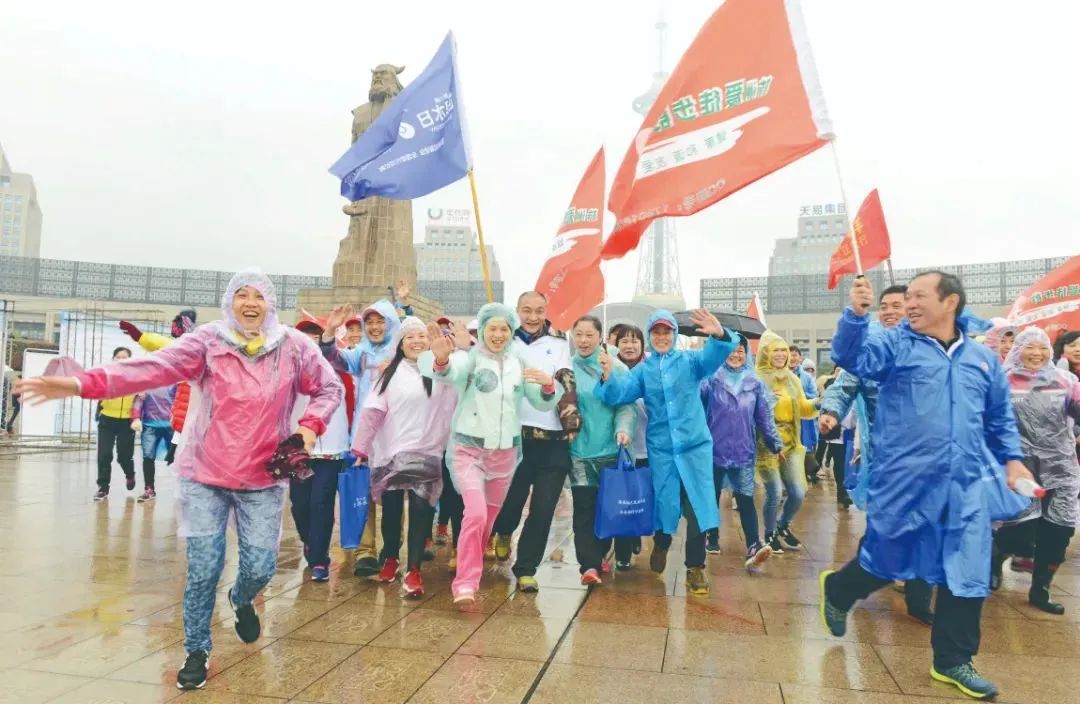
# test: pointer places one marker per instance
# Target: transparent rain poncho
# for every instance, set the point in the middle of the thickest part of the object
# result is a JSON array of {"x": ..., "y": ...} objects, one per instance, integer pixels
[{"x": 244, "y": 385}]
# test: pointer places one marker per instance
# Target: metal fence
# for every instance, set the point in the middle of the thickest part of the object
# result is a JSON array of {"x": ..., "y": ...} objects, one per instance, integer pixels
[
  {"x": 994, "y": 284},
  {"x": 60, "y": 278}
]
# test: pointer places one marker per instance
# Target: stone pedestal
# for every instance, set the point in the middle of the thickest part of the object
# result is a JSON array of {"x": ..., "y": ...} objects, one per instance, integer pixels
[
  {"x": 379, "y": 245},
  {"x": 320, "y": 301}
]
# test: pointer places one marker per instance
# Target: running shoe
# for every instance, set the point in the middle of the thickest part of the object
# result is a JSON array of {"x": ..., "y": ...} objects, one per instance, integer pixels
[
  {"x": 773, "y": 541},
  {"x": 833, "y": 618},
  {"x": 502, "y": 548},
  {"x": 967, "y": 679},
  {"x": 389, "y": 570},
  {"x": 712, "y": 543},
  {"x": 658, "y": 559},
  {"x": 697, "y": 582},
  {"x": 440, "y": 535},
  {"x": 320, "y": 573},
  {"x": 591, "y": 577},
  {"x": 528, "y": 584},
  {"x": 413, "y": 584},
  {"x": 148, "y": 495},
  {"x": 756, "y": 555},
  {"x": 101, "y": 495},
  {"x": 366, "y": 567},
  {"x": 193, "y": 674},
  {"x": 789, "y": 539},
  {"x": 247, "y": 621},
  {"x": 130, "y": 483}
]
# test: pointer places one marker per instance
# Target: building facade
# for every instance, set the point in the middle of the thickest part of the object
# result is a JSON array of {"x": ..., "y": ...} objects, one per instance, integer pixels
[
  {"x": 20, "y": 213},
  {"x": 802, "y": 309},
  {"x": 448, "y": 263},
  {"x": 820, "y": 229}
]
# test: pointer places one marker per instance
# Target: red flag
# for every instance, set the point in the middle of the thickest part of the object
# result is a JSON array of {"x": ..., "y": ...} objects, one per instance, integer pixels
[
  {"x": 571, "y": 277},
  {"x": 743, "y": 102},
  {"x": 756, "y": 311},
  {"x": 871, "y": 233},
  {"x": 1052, "y": 301}
]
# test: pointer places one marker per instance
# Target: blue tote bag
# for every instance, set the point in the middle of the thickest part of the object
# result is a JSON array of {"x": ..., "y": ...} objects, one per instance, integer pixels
[
  {"x": 354, "y": 492},
  {"x": 624, "y": 504}
]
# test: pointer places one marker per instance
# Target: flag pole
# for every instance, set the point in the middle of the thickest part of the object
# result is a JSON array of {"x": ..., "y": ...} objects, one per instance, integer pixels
[
  {"x": 847, "y": 207},
  {"x": 888, "y": 265},
  {"x": 480, "y": 234}
]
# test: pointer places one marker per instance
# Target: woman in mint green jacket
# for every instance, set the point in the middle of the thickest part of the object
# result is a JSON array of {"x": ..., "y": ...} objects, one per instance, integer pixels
[
  {"x": 604, "y": 429},
  {"x": 485, "y": 440}
]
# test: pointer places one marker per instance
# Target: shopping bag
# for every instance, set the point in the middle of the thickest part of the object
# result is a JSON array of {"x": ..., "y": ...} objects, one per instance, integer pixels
[
  {"x": 624, "y": 503},
  {"x": 354, "y": 491}
]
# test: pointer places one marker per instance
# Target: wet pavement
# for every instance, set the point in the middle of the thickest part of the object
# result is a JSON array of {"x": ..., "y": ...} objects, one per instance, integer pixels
[{"x": 90, "y": 612}]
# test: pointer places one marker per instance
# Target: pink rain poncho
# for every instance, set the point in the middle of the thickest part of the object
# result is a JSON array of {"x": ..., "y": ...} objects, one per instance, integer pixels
[
  {"x": 403, "y": 430},
  {"x": 241, "y": 403}
]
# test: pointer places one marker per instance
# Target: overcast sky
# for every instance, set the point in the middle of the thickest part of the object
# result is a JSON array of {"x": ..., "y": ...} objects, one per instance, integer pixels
[{"x": 199, "y": 134}]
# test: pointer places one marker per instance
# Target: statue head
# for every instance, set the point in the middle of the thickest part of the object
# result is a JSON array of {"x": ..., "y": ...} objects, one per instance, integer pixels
[{"x": 384, "y": 82}]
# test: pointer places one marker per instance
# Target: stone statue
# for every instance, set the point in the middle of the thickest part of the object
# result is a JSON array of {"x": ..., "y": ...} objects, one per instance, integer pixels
[{"x": 378, "y": 249}]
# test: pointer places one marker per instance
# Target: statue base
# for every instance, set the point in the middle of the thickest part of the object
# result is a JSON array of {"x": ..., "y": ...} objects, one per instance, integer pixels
[{"x": 320, "y": 301}]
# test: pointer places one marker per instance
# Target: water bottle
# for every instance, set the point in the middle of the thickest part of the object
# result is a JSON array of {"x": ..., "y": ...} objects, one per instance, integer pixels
[{"x": 1028, "y": 488}]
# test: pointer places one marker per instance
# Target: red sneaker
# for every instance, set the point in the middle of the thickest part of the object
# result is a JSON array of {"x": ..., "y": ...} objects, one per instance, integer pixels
[
  {"x": 440, "y": 535},
  {"x": 591, "y": 577},
  {"x": 413, "y": 584},
  {"x": 389, "y": 570}
]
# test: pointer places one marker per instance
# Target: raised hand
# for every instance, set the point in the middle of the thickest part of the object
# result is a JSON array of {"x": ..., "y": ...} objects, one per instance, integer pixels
[
  {"x": 46, "y": 388},
  {"x": 706, "y": 322},
  {"x": 402, "y": 292},
  {"x": 441, "y": 345},
  {"x": 538, "y": 376},
  {"x": 862, "y": 295},
  {"x": 131, "y": 330},
  {"x": 337, "y": 318}
]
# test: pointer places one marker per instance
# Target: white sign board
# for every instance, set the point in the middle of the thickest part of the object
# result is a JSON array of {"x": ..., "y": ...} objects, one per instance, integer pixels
[{"x": 44, "y": 419}]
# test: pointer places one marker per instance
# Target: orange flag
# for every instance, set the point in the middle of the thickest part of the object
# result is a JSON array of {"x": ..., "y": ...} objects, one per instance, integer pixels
[
  {"x": 871, "y": 233},
  {"x": 755, "y": 310},
  {"x": 743, "y": 102},
  {"x": 1052, "y": 302},
  {"x": 571, "y": 278}
]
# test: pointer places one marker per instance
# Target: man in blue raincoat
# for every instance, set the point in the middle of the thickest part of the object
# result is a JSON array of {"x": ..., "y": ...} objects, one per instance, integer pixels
[
  {"x": 678, "y": 437},
  {"x": 943, "y": 402}
]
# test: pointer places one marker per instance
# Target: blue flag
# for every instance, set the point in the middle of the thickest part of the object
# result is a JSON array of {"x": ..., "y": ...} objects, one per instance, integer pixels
[{"x": 418, "y": 144}]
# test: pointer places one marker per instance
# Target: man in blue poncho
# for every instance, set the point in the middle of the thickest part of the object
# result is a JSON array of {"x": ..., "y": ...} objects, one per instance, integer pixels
[
  {"x": 943, "y": 401},
  {"x": 678, "y": 437}
]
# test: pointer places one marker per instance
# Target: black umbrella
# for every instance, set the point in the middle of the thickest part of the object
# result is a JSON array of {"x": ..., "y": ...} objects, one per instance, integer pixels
[{"x": 750, "y": 328}]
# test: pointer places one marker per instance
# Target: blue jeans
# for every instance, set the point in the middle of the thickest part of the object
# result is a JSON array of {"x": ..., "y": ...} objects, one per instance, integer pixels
[
  {"x": 313, "y": 509},
  {"x": 791, "y": 476},
  {"x": 204, "y": 514},
  {"x": 155, "y": 441}
]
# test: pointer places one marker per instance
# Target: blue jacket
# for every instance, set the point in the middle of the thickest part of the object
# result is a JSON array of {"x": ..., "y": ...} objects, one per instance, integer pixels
[
  {"x": 939, "y": 419},
  {"x": 678, "y": 438},
  {"x": 841, "y": 395},
  {"x": 809, "y": 434},
  {"x": 734, "y": 413}
]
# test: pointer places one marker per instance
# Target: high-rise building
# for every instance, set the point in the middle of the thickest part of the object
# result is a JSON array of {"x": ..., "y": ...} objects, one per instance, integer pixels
[
  {"x": 20, "y": 214},
  {"x": 821, "y": 227},
  {"x": 448, "y": 266}
]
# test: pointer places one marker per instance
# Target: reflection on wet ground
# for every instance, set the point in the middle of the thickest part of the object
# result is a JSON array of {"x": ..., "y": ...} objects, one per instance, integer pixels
[{"x": 91, "y": 613}]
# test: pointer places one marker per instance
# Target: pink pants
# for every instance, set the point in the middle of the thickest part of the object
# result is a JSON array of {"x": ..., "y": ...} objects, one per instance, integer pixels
[{"x": 482, "y": 477}]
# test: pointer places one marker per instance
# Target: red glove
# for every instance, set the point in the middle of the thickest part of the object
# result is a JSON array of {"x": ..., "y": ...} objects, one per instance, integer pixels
[{"x": 130, "y": 330}]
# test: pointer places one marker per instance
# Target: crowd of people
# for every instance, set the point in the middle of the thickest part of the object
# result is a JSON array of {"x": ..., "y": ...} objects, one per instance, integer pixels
[{"x": 928, "y": 428}]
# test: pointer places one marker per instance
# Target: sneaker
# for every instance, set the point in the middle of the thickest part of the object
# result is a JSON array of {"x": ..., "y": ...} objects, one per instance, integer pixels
[
  {"x": 697, "y": 582},
  {"x": 101, "y": 495},
  {"x": 834, "y": 619},
  {"x": 502, "y": 548},
  {"x": 605, "y": 567},
  {"x": 247, "y": 621},
  {"x": 389, "y": 570},
  {"x": 413, "y": 584},
  {"x": 789, "y": 539},
  {"x": 366, "y": 567},
  {"x": 130, "y": 483},
  {"x": 148, "y": 495},
  {"x": 658, "y": 560},
  {"x": 429, "y": 550},
  {"x": 773, "y": 541},
  {"x": 756, "y": 555},
  {"x": 193, "y": 674},
  {"x": 712, "y": 544},
  {"x": 967, "y": 679},
  {"x": 622, "y": 565},
  {"x": 591, "y": 577},
  {"x": 320, "y": 573},
  {"x": 528, "y": 584},
  {"x": 440, "y": 535},
  {"x": 465, "y": 596}
]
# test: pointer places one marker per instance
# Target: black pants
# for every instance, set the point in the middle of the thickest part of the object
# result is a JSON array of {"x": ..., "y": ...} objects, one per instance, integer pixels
[
  {"x": 313, "y": 508},
  {"x": 835, "y": 453},
  {"x": 1037, "y": 538},
  {"x": 149, "y": 470},
  {"x": 421, "y": 514},
  {"x": 544, "y": 467},
  {"x": 16, "y": 406},
  {"x": 590, "y": 549},
  {"x": 955, "y": 634},
  {"x": 451, "y": 507},
  {"x": 695, "y": 539},
  {"x": 118, "y": 432}
]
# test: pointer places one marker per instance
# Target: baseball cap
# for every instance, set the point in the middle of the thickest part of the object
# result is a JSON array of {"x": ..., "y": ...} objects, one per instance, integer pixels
[{"x": 662, "y": 323}]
